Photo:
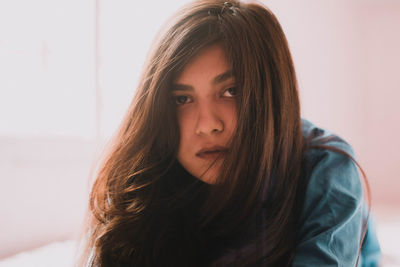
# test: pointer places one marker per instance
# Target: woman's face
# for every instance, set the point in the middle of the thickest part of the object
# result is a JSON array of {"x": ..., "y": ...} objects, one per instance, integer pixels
[{"x": 205, "y": 95}]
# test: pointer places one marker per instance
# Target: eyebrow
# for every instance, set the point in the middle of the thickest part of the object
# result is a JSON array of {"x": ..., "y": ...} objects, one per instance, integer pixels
[
  {"x": 217, "y": 79},
  {"x": 223, "y": 77}
]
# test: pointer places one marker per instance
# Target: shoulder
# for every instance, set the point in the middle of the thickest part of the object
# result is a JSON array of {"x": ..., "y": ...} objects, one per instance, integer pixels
[
  {"x": 330, "y": 174},
  {"x": 319, "y": 136},
  {"x": 328, "y": 167},
  {"x": 330, "y": 222}
]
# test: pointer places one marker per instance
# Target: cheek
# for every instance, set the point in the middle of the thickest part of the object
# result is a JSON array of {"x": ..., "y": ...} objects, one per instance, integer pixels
[
  {"x": 230, "y": 118},
  {"x": 184, "y": 123}
]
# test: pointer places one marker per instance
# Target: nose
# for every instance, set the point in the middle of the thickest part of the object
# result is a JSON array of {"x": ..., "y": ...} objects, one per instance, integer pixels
[{"x": 208, "y": 121}]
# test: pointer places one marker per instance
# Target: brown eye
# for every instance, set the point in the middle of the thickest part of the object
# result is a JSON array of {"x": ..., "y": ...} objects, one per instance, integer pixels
[
  {"x": 182, "y": 99},
  {"x": 230, "y": 92}
]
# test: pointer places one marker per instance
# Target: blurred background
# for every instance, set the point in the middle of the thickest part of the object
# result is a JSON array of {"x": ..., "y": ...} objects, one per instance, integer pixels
[{"x": 68, "y": 70}]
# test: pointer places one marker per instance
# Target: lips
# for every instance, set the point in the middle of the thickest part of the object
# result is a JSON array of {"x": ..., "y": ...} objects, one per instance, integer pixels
[{"x": 212, "y": 152}]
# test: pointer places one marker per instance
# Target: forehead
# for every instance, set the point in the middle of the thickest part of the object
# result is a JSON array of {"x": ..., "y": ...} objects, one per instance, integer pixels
[{"x": 209, "y": 62}]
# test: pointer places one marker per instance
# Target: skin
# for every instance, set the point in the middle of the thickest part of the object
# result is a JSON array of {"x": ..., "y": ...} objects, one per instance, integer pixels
[{"x": 205, "y": 96}]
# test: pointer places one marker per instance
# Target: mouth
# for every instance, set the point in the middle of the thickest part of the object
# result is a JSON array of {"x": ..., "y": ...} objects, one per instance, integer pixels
[{"x": 212, "y": 152}]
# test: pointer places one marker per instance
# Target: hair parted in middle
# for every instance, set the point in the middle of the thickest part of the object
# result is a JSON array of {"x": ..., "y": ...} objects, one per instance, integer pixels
[{"x": 265, "y": 156}]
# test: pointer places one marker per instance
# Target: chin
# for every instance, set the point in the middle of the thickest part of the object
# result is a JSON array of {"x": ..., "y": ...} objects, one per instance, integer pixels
[
  {"x": 208, "y": 179},
  {"x": 204, "y": 172},
  {"x": 209, "y": 176}
]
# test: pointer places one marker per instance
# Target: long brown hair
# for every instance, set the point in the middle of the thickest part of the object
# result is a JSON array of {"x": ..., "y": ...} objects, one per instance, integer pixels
[{"x": 134, "y": 210}]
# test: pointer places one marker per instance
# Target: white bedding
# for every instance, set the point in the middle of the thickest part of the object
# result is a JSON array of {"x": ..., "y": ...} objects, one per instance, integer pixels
[{"x": 56, "y": 254}]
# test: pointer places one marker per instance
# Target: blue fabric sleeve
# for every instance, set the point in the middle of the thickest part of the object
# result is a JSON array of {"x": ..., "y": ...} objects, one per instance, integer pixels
[
  {"x": 371, "y": 252},
  {"x": 331, "y": 219}
]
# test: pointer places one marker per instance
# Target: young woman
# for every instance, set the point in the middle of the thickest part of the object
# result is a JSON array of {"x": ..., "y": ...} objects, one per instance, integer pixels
[{"x": 213, "y": 165}]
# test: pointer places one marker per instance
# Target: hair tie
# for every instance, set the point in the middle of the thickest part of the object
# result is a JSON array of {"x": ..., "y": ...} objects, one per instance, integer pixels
[{"x": 230, "y": 7}]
